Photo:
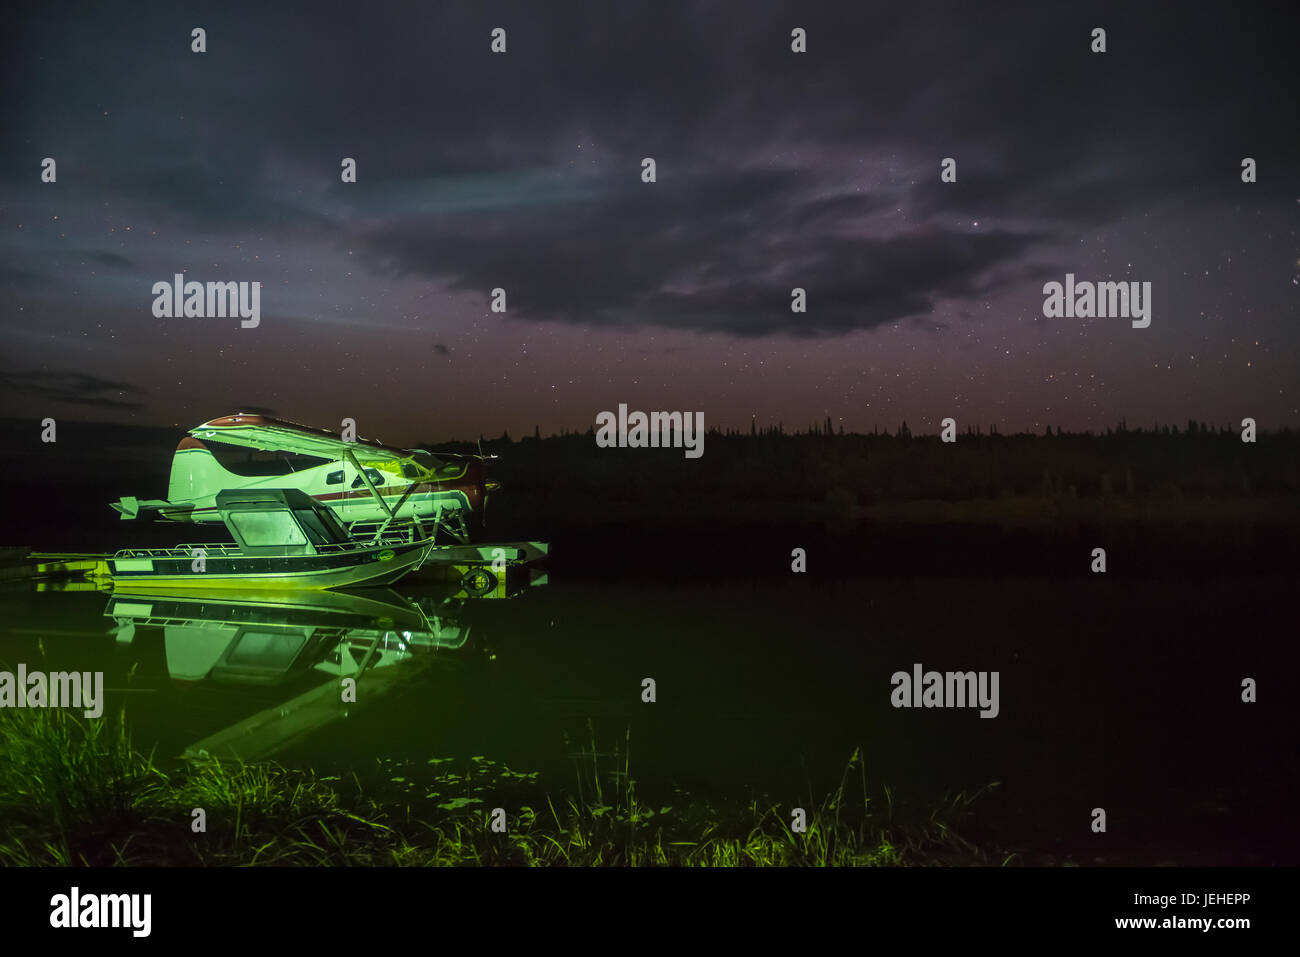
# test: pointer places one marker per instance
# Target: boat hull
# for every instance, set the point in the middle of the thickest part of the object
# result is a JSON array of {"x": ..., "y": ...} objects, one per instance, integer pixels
[{"x": 362, "y": 567}]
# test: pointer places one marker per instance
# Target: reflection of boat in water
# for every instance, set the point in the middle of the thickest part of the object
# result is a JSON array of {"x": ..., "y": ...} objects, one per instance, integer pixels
[
  {"x": 284, "y": 538},
  {"x": 255, "y": 639},
  {"x": 373, "y": 641}
]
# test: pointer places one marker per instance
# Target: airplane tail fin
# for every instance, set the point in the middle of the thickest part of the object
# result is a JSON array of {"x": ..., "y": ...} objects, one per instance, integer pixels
[{"x": 196, "y": 473}]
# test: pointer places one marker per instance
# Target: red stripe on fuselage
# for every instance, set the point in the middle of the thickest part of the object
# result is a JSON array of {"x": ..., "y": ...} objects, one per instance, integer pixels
[{"x": 472, "y": 492}]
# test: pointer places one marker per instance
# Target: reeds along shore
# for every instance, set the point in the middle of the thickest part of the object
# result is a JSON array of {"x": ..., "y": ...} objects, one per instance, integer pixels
[{"x": 75, "y": 792}]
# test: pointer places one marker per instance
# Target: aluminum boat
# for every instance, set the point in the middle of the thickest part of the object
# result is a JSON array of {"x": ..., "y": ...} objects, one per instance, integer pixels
[{"x": 284, "y": 540}]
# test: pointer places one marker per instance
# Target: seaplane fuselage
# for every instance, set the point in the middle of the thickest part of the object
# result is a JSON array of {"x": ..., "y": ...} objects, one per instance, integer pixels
[
  {"x": 410, "y": 483},
  {"x": 197, "y": 476}
]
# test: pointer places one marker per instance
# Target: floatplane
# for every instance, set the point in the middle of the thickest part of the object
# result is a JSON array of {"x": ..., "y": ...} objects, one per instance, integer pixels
[
  {"x": 308, "y": 509},
  {"x": 367, "y": 484}
]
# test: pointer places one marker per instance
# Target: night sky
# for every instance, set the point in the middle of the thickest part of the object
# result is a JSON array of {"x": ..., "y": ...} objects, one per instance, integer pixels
[{"x": 775, "y": 170}]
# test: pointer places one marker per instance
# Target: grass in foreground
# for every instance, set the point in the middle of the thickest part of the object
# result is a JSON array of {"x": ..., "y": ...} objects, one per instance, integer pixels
[{"x": 76, "y": 793}]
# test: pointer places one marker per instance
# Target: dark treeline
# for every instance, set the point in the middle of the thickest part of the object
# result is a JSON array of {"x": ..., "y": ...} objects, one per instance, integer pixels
[
  {"x": 57, "y": 495},
  {"x": 821, "y": 466}
]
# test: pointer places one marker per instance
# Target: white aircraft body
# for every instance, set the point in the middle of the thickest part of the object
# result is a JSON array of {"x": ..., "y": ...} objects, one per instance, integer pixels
[{"x": 362, "y": 481}]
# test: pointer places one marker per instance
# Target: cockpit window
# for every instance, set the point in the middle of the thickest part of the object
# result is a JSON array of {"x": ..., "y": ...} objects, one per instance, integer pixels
[
  {"x": 376, "y": 479},
  {"x": 260, "y": 462}
]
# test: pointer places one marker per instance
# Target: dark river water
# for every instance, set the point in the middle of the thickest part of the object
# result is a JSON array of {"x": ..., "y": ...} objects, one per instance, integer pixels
[{"x": 1122, "y": 695}]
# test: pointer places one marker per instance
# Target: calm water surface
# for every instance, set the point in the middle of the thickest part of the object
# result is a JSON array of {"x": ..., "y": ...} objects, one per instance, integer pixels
[{"x": 1111, "y": 695}]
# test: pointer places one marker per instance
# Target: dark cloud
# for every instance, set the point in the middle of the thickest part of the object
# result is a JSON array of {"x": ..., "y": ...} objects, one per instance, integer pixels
[
  {"x": 75, "y": 388},
  {"x": 775, "y": 170},
  {"x": 850, "y": 285},
  {"x": 110, "y": 259},
  {"x": 15, "y": 278},
  {"x": 716, "y": 251},
  {"x": 756, "y": 145}
]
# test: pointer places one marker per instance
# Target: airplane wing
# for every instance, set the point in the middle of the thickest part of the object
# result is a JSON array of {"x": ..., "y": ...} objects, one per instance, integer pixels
[{"x": 277, "y": 435}]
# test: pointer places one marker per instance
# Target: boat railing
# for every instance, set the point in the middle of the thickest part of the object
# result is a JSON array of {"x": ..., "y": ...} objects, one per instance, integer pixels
[
  {"x": 408, "y": 531},
  {"x": 337, "y": 632},
  {"x": 218, "y": 551},
  {"x": 387, "y": 540},
  {"x": 180, "y": 551}
]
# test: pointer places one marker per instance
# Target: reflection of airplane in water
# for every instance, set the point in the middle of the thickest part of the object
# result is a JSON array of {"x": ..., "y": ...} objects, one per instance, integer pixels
[
  {"x": 377, "y": 640},
  {"x": 250, "y": 639}
]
